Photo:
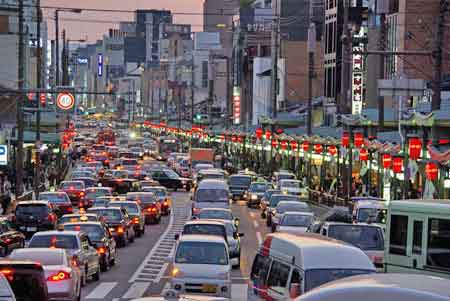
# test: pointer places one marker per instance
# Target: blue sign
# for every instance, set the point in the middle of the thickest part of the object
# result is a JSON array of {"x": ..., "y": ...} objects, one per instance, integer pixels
[
  {"x": 100, "y": 65},
  {"x": 3, "y": 155}
]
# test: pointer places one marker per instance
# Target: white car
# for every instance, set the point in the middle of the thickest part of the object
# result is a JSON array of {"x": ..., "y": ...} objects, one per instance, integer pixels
[
  {"x": 202, "y": 266},
  {"x": 294, "y": 187},
  {"x": 295, "y": 222},
  {"x": 285, "y": 206}
]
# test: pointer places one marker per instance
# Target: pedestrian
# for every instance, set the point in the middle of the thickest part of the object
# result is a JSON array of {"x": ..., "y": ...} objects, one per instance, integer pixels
[
  {"x": 51, "y": 174},
  {"x": 6, "y": 201}
]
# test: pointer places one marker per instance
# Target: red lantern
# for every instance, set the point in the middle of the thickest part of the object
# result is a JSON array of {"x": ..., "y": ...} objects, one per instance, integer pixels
[
  {"x": 363, "y": 155},
  {"x": 274, "y": 143},
  {"x": 259, "y": 133},
  {"x": 233, "y": 138},
  {"x": 358, "y": 139},
  {"x": 332, "y": 150},
  {"x": 294, "y": 145},
  {"x": 345, "y": 139},
  {"x": 268, "y": 134},
  {"x": 431, "y": 171},
  {"x": 305, "y": 146},
  {"x": 239, "y": 139},
  {"x": 415, "y": 147},
  {"x": 318, "y": 148},
  {"x": 284, "y": 145},
  {"x": 387, "y": 161},
  {"x": 397, "y": 164}
]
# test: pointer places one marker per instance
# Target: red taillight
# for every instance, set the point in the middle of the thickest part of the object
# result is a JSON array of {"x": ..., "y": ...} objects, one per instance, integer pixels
[
  {"x": 8, "y": 273},
  {"x": 60, "y": 276},
  {"x": 166, "y": 203},
  {"x": 196, "y": 210},
  {"x": 51, "y": 218},
  {"x": 106, "y": 161},
  {"x": 81, "y": 193},
  {"x": 138, "y": 167},
  {"x": 136, "y": 221},
  {"x": 101, "y": 250},
  {"x": 119, "y": 230},
  {"x": 80, "y": 204},
  {"x": 69, "y": 209}
]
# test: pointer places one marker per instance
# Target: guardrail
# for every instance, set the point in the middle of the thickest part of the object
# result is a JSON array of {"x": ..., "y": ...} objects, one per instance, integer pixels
[{"x": 328, "y": 200}]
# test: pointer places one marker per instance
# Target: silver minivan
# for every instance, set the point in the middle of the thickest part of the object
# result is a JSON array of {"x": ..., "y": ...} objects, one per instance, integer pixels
[{"x": 210, "y": 193}]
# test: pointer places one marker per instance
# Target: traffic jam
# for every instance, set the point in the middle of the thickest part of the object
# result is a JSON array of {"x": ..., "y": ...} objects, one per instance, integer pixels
[{"x": 145, "y": 217}]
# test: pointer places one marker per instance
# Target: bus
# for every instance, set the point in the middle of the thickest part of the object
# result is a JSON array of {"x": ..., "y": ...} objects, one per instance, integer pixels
[
  {"x": 418, "y": 237},
  {"x": 166, "y": 146}
]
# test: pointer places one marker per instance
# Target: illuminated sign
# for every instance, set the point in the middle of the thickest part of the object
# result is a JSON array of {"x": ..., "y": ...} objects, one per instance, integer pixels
[
  {"x": 82, "y": 61},
  {"x": 236, "y": 105},
  {"x": 357, "y": 80},
  {"x": 100, "y": 65}
]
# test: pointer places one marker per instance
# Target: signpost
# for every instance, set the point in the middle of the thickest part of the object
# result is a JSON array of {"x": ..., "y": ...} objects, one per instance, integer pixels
[
  {"x": 3, "y": 155},
  {"x": 65, "y": 101}
]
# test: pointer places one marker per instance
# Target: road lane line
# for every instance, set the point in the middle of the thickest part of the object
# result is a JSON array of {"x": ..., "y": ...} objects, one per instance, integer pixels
[
  {"x": 259, "y": 237},
  {"x": 136, "y": 290},
  {"x": 256, "y": 224},
  {"x": 101, "y": 291},
  {"x": 161, "y": 272},
  {"x": 239, "y": 291}
]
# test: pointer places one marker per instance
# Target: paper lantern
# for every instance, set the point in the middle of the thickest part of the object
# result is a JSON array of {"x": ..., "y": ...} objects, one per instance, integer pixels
[
  {"x": 318, "y": 148},
  {"x": 305, "y": 146},
  {"x": 259, "y": 133},
  {"x": 233, "y": 138},
  {"x": 345, "y": 139},
  {"x": 363, "y": 155},
  {"x": 358, "y": 139},
  {"x": 431, "y": 171},
  {"x": 397, "y": 164},
  {"x": 268, "y": 134},
  {"x": 387, "y": 161},
  {"x": 332, "y": 150},
  {"x": 274, "y": 143},
  {"x": 294, "y": 145},
  {"x": 284, "y": 145},
  {"x": 415, "y": 148},
  {"x": 239, "y": 139}
]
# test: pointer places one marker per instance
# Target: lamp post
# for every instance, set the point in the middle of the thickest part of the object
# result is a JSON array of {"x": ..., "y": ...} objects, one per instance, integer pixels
[{"x": 57, "y": 11}]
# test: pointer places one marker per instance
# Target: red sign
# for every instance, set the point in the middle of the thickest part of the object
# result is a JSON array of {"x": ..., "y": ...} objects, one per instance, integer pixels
[
  {"x": 65, "y": 101},
  {"x": 236, "y": 105}
]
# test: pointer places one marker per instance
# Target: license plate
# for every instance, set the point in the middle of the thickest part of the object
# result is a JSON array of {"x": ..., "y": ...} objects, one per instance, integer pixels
[
  {"x": 32, "y": 229},
  {"x": 22, "y": 228},
  {"x": 209, "y": 288}
]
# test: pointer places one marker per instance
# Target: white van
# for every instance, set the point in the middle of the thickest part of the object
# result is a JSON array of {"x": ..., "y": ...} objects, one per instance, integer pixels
[
  {"x": 369, "y": 209},
  {"x": 287, "y": 265},
  {"x": 201, "y": 265},
  {"x": 210, "y": 193}
]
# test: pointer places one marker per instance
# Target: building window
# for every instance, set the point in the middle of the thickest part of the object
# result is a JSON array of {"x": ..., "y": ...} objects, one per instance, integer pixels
[
  {"x": 438, "y": 252},
  {"x": 205, "y": 74},
  {"x": 398, "y": 235}
]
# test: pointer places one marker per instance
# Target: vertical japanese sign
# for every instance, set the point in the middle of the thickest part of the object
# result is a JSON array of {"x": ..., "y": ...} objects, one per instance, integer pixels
[
  {"x": 357, "y": 80},
  {"x": 236, "y": 105},
  {"x": 100, "y": 65}
]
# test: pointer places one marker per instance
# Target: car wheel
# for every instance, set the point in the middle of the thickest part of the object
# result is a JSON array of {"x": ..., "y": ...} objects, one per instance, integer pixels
[
  {"x": 131, "y": 239},
  {"x": 175, "y": 188},
  {"x": 96, "y": 276},
  {"x": 104, "y": 265},
  {"x": 112, "y": 261},
  {"x": 143, "y": 230},
  {"x": 138, "y": 233}
]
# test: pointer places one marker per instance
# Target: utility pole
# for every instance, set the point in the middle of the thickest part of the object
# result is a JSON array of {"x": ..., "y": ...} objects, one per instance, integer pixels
[
  {"x": 228, "y": 92},
  {"x": 211, "y": 75},
  {"x": 381, "y": 7},
  {"x": 311, "y": 50},
  {"x": 274, "y": 54},
  {"x": 342, "y": 106},
  {"x": 37, "y": 177},
  {"x": 192, "y": 90},
  {"x": 437, "y": 55},
  {"x": 19, "y": 105},
  {"x": 57, "y": 47}
]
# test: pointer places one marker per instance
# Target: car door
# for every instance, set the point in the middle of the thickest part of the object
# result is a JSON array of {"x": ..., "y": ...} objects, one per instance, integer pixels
[
  {"x": 111, "y": 241},
  {"x": 14, "y": 236},
  {"x": 87, "y": 255}
]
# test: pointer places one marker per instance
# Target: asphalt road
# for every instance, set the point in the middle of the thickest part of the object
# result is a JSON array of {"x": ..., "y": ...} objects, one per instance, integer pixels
[{"x": 143, "y": 269}]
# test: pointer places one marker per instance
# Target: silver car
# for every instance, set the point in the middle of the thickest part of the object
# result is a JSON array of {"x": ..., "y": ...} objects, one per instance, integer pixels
[
  {"x": 285, "y": 206},
  {"x": 63, "y": 277},
  {"x": 78, "y": 247}
]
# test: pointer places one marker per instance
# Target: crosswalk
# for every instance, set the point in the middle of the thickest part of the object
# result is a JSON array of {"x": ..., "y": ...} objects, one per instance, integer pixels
[{"x": 105, "y": 291}]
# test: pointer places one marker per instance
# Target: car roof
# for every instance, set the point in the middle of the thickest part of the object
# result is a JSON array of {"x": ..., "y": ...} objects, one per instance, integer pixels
[
  {"x": 212, "y": 184},
  {"x": 395, "y": 286},
  {"x": 53, "y": 192},
  {"x": 99, "y": 188},
  {"x": 205, "y": 222},
  {"x": 215, "y": 209},
  {"x": 38, "y": 250},
  {"x": 202, "y": 238},
  {"x": 313, "y": 251},
  {"x": 55, "y": 232},
  {"x": 352, "y": 224},
  {"x": 103, "y": 208},
  {"x": 79, "y": 214},
  {"x": 83, "y": 223},
  {"x": 298, "y": 213},
  {"x": 33, "y": 202}
]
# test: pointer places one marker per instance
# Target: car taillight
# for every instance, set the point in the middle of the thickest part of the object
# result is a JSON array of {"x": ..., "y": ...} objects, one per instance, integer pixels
[
  {"x": 196, "y": 210},
  {"x": 136, "y": 221},
  {"x": 81, "y": 193},
  {"x": 8, "y": 273},
  {"x": 69, "y": 209},
  {"x": 60, "y": 276},
  {"x": 80, "y": 204},
  {"x": 119, "y": 230},
  {"x": 106, "y": 161},
  {"x": 101, "y": 250},
  {"x": 51, "y": 218},
  {"x": 138, "y": 167},
  {"x": 166, "y": 203}
]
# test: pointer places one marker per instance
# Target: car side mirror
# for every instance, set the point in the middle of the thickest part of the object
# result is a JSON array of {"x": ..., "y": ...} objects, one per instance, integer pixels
[
  {"x": 177, "y": 236},
  {"x": 241, "y": 234},
  {"x": 194, "y": 217}
]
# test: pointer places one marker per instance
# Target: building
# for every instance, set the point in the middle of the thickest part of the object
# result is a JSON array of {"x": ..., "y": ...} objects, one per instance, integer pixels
[{"x": 218, "y": 17}]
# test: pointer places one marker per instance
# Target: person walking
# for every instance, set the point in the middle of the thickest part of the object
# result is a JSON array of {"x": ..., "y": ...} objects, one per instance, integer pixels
[{"x": 6, "y": 201}]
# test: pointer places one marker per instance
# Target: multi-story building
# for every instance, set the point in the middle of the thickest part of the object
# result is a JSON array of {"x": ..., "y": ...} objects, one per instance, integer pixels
[{"x": 218, "y": 17}]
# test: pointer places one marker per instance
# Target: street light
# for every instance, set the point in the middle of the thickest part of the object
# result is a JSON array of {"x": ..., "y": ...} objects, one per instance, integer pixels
[{"x": 57, "y": 11}]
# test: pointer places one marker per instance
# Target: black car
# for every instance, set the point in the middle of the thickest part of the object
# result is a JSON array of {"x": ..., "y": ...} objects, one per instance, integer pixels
[
  {"x": 239, "y": 185},
  {"x": 34, "y": 216},
  {"x": 101, "y": 238},
  {"x": 134, "y": 212},
  {"x": 60, "y": 202},
  {"x": 170, "y": 179},
  {"x": 10, "y": 238},
  {"x": 121, "y": 186},
  {"x": 163, "y": 197},
  {"x": 118, "y": 222},
  {"x": 149, "y": 205}
]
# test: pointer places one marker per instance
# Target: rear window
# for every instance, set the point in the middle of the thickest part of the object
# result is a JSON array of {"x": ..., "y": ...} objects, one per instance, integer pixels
[
  {"x": 73, "y": 219},
  {"x": 205, "y": 230},
  {"x": 293, "y": 207},
  {"x": 94, "y": 232},
  {"x": 72, "y": 185},
  {"x": 131, "y": 208},
  {"x": 215, "y": 214},
  {"x": 54, "y": 241},
  {"x": 275, "y": 199},
  {"x": 201, "y": 253},
  {"x": 157, "y": 191},
  {"x": 54, "y": 197},
  {"x": 95, "y": 193},
  {"x": 240, "y": 180},
  {"x": 258, "y": 187},
  {"x": 286, "y": 177},
  {"x": 28, "y": 284},
  {"x": 365, "y": 237},
  {"x": 109, "y": 215},
  {"x": 211, "y": 195},
  {"x": 141, "y": 198},
  {"x": 129, "y": 162},
  {"x": 44, "y": 258},
  {"x": 32, "y": 209}
]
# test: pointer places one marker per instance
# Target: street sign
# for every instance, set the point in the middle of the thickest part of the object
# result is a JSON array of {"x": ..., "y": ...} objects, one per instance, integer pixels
[
  {"x": 65, "y": 101},
  {"x": 3, "y": 155}
]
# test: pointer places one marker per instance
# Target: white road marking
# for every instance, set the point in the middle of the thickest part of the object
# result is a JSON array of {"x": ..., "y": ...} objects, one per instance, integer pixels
[
  {"x": 161, "y": 272},
  {"x": 256, "y": 224},
  {"x": 259, "y": 237},
  {"x": 101, "y": 291},
  {"x": 136, "y": 290},
  {"x": 239, "y": 292}
]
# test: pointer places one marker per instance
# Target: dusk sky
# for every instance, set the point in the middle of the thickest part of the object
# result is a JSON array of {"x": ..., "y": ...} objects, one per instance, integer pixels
[{"x": 101, "y": 21}]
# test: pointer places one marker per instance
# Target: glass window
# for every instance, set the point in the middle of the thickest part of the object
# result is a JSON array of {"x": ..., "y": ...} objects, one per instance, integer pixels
[
  {"x": 278, "y": 276},
  {"x": 85, "y": 244},
  {"x": 438, "y": 252},
  {"x": 54, "y": 241},
  {"x": 201, "y": 253},
  {"x": 260, "y": 269},
  {"x": 295, "y": 286},
  {"x": 94, "y": 232},
  {"x": 43, "y": 257},
  {"x": 398, "y": 234},
  {"x": 417, "y": 237},
  {"x": 317, "y": 277},
  {"x": 367, "y": 238}
]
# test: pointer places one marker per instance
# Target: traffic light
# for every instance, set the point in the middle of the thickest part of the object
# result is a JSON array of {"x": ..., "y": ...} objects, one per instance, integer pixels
[
  {"x": 198, "y": 117},
  {"x": 42, "y": 99}
]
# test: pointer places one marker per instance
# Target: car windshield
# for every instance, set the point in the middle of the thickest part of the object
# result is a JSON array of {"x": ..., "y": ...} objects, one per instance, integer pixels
[
  {"x": 95, "y": 193},
  {"x": 32, "y": 209},
  {"x": 205, "y": 229},
  {"x": 54, "y": 197},
  {"x": 281, "y": 208},
  {"x": 269, "y": 193},
  {"x": 44, "y": 258},
  {"x": 285, "y": 176},
  {"x": 94, "y": 232},
  {"x": 211, "y": 195},
  {"x": 160, "y": 193},
  {"x": 110, "y": 215},
  {"x": 212, "y": 176},
  {"x": 143, "y": 198},
  {"x": 72, "y": 185},
  {"x": 121, "y": 174},
  {"x": 81, "y": 174},
  {"x": 215, "y": 214},
  {"x": 317, "y": 277},
  {"x": 258, "y": 187},
  {"x": 275, "y": 199},
  {"x": 240, "y": 181},
  {"x": 365, "y": 237},
  {"x": 54, "y": 241},
  {"x": 131, "y": 208},
  {"x": 203, "y": 166},
  {"x": 135, "y": 149},
  {"x": 171, "y": 174},
  {"x": 296, "y": 220},
  {"x": 372, "y": 214},
  {"x": 201, "y": 253},
  {"x": 290, "y": 184},
  {"x": 100, "y": 203}
]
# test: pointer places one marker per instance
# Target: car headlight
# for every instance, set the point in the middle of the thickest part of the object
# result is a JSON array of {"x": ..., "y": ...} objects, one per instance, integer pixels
[
  {"x": 254, "y": 196},
  {"x": 177, "y": 273},
  {"x": 285, "y": 191}
]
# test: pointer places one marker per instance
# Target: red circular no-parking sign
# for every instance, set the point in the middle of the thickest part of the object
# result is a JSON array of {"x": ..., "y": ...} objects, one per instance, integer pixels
[{"x": 65, "y": 101}]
